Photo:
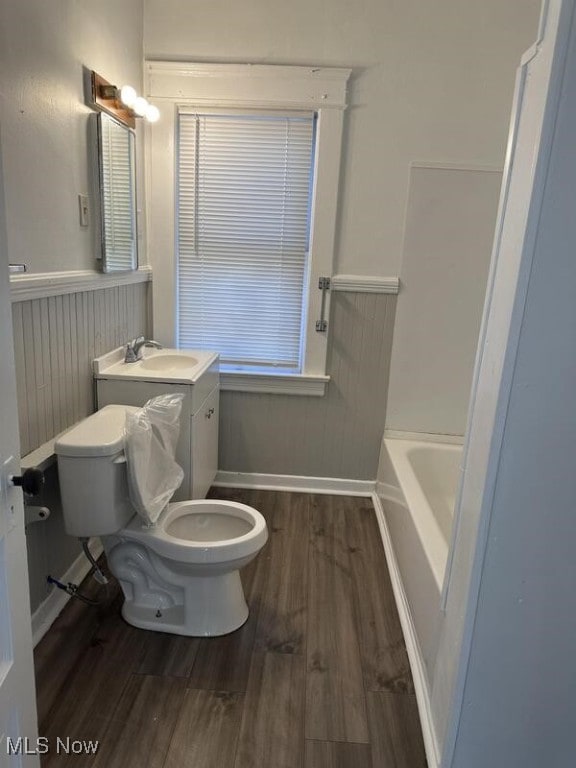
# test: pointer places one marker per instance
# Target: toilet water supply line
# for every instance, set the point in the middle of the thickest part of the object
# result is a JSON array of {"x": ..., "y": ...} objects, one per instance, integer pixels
[
  {"x": 96, "y": 572},
  {"x": 72, "y": 589}
]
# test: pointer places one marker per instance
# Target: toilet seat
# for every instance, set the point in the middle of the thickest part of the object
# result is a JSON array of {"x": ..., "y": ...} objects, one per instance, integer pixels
[{"x": 207, "y": 546}]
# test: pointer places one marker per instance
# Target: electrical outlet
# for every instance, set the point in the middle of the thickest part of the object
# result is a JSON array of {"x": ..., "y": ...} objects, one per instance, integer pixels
[{"x": 83, "y": 204}]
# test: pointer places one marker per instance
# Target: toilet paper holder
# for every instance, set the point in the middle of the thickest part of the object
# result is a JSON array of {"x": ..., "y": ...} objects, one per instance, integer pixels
[{"x": 35, "y": 514}]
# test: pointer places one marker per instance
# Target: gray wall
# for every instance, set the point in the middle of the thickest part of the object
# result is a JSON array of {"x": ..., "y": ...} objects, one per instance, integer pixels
[
  {"x": 55, "y": 340},
  {"x": 337, "y": 435},
  {"x": 50, "y": 550}
]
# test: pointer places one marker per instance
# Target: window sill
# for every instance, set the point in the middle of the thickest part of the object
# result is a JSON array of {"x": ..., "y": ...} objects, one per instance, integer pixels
[{"x": 274, "y": 383}]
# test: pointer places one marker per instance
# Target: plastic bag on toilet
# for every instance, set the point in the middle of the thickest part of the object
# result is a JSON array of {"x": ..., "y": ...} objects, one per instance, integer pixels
[{"x": 150, "y": 446}]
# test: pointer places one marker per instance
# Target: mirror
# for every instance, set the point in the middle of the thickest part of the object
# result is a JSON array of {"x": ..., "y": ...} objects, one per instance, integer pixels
[{"x": 117, "y": 181}]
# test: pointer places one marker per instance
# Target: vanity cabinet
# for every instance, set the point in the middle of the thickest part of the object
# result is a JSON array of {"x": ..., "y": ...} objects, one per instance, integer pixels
[
  {"x": 204, "y": 445},
  {"x": 197, "y": 449}
]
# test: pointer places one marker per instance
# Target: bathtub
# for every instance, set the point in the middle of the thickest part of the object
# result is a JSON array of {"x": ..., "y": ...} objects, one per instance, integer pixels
[{"x": 417, "y": 483}]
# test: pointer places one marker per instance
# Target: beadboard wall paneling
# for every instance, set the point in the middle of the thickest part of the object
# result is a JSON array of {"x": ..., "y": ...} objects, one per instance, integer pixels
[
  {"x": 337, "y": 435},
  {"x": 55, "y": 341}
]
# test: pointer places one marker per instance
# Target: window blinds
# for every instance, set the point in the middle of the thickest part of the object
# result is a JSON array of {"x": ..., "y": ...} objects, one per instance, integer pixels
[{"x": 243, "y": 197}]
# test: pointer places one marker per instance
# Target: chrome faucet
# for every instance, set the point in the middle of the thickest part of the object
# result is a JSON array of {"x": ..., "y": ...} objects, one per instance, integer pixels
[{"x": 134, "y": 348}]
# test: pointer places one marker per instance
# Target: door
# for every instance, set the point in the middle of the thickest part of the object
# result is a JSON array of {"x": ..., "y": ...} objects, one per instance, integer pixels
[{"x": 18, "y": 721}]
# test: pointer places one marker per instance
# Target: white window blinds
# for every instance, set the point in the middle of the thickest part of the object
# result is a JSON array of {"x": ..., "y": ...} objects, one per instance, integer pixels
[{"x": 243, "y": 196}]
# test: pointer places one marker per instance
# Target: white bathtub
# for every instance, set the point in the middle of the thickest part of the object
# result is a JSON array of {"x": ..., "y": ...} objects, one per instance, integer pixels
[{"x": 417, "y": 483}]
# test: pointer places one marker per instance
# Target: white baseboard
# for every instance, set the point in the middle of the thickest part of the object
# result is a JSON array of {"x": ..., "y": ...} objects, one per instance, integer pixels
[
  {"x": 415, "y": 657},
  {"x": 331, "y": 485},
  {"x": 49, "y": 610}
]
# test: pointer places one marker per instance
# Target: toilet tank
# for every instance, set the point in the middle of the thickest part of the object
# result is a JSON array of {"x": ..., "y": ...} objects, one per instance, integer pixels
[{"x": 92, "y": 474}]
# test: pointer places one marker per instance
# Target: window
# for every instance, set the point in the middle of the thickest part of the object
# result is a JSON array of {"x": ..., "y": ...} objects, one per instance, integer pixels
[
  {"x": 242, "y": 196},
  {"x": 244, "y": 184}
]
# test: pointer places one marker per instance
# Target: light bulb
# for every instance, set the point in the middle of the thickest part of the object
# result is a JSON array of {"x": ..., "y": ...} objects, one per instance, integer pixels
[
  {"x": 152, "y": 113},
  {"x": 140, "y": 106},
  {"x": 128, "y": 95}
]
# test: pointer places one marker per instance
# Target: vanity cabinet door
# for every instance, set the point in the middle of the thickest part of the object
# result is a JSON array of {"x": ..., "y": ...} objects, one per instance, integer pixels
[{"x": 204, "y": 445}]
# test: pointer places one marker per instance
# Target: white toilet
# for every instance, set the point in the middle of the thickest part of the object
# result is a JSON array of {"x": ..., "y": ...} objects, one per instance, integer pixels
[{"x": 180, "y": 575}]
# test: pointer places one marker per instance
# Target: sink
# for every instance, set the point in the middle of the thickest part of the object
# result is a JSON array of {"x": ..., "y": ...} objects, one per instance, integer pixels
[
  {"x": 174, "y": 366},
  {"x": 168, "y": 362}
]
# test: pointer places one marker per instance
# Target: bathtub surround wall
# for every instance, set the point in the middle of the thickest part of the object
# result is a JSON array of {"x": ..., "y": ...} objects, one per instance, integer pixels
[
  {"x": 335, "y": 436},
  {"x": 431, "y": 81},
  {"x": 448, "y": 242}
]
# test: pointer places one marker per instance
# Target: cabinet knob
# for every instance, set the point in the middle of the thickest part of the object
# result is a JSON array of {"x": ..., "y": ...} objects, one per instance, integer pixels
[{"x": 209, "y": 413}]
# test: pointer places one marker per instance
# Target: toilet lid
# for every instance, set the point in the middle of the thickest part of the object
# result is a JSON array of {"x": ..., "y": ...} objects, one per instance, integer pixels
[{"x": 101, "y": 434}]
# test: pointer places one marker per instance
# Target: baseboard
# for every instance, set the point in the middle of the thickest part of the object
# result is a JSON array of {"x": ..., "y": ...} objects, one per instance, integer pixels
[
  {"x": 49, "y": 610},
  {"x": 411, "y": 639},
  {"x": 330, "y": 485}
]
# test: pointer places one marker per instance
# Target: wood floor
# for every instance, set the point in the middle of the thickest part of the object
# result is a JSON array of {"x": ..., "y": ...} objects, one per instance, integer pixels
[{"x": 318, "y": 677}]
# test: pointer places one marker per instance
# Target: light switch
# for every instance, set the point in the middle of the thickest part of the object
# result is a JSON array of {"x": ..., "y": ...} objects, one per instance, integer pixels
[{"x": 83, "y": 204}]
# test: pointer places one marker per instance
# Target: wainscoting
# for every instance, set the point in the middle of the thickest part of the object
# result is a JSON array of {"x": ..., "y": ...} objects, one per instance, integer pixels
[
  {"x": 337, "y": 435},
  {"x": 55, "y": 341}
]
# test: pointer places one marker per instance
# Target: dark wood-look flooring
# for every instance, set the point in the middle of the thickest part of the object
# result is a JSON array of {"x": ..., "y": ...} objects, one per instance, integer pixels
[{"x": 318, "y": 677}]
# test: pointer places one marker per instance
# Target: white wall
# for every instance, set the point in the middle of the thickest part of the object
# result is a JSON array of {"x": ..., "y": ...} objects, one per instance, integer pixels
[
  {"x": 43, "y": 47},
  {"x": 432, "y": 81},
  {"x": 447, "y": 246}
]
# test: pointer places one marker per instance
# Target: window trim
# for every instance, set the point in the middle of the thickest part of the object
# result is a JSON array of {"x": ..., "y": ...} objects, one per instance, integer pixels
[{"x": 174, "y": 85}]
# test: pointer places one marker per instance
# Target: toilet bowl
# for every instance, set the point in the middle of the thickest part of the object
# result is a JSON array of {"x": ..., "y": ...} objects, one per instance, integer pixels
[{"x": 180, "y": 575}]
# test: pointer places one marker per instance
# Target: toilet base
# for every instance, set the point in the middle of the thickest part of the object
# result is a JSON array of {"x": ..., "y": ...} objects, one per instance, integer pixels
[{"x": 213, "y": 606}]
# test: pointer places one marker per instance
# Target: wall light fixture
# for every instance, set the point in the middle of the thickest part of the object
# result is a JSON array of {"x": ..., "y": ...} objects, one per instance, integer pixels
[{"x": 122, "y": 103}]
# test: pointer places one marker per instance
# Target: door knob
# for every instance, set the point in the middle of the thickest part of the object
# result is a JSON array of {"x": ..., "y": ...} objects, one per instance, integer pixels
[{"x": 31, "y": 481}]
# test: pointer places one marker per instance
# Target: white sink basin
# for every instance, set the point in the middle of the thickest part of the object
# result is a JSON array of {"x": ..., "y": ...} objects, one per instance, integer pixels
[
  {"x": 176, "y": 366},
  {"x": 168, "y": 362}
]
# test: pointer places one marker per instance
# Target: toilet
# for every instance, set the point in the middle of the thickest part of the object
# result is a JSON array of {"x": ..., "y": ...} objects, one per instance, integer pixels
[{"x": 179, "y": 575}]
